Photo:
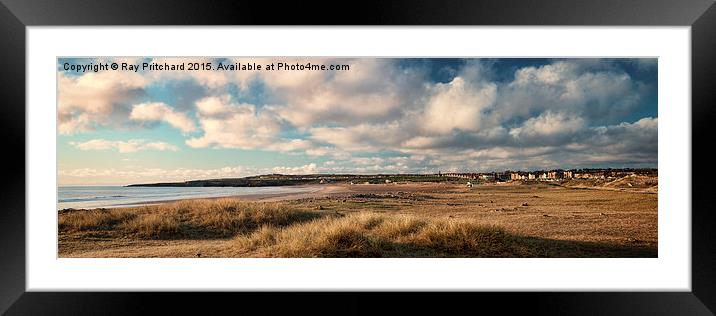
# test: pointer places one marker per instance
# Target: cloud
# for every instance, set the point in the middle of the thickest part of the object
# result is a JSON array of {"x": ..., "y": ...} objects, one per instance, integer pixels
[
  {"x": 457, "y": 105},
  {"x": 374, "y": 90},
  {"x": 227, "y": 124},
  {"x": 305, "y": 169},
  {"x": 591, "y": 89},
  {"x": 123, "y": 147},
  {"x": 95, "y": 100},
  {"x": 548, "y": 126},
  {"x": 158, "y": 111},
  {"x": 105, "y": 99},
  {"x": 358, "y": 138},
  {"x": 638, "y": 140}
]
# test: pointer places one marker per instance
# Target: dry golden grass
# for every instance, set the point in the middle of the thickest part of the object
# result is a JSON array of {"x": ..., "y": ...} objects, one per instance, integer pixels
[
  {"x": 92, "y": 219},
  {"x": 372, "y": 235},
  {"x": 152, "y": 225},
  {"x": 319, "y": 238},
  {"x": 184, "y": 219}
]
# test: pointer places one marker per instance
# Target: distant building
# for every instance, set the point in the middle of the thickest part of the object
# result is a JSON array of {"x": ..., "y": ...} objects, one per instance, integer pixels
[
  {"x": 530, "y": 176},
  {"x": 502, "y": 176},
  {"x": 568, "y": 174}
]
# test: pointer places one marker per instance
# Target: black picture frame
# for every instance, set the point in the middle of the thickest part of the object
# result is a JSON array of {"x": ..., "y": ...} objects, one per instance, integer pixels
[{"x": 16, "y": 15}]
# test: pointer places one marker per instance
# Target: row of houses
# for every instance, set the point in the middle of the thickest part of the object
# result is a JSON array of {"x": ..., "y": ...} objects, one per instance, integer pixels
[
  {"x": 490, "y": 176},
  {"x": 508, "y": 175},
  {"x": 549, "y": 175}
]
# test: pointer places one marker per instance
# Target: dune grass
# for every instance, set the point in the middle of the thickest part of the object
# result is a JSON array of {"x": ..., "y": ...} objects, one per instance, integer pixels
[
  {"x": 82, "y": 220},
  {"x": 191, "y": 219},
  {"x": 377, "y": 235}
]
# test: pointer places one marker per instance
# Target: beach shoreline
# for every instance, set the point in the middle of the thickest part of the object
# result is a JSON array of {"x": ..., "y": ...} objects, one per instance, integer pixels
[
  {"x": 307, "y": 190},
  {"x": 322, "y": 191}
]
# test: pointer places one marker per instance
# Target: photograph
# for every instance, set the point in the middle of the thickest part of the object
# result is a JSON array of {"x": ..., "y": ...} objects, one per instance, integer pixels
[
  {"x": 477, "y": 153},
  {"x": 362, "y": 157}
]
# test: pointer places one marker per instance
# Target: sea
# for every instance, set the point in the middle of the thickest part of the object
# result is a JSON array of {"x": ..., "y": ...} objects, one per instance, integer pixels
[{"x": 119, "y": 196}]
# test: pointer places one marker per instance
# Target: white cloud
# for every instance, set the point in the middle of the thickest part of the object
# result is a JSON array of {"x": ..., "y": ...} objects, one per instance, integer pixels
[
  {"x": 547, "y": 74},
  {"x": 548, "y": 124},
  {"x": 94, "y": 100},
  {"x": 374, "y": 90},
  {"x": 305, "y": 169},
  {"x": 457, "y": 105},
  {"x": 159, "y": 111},
  {"x": 129, "y": 146},
  {"x": 235, "y": 125}
]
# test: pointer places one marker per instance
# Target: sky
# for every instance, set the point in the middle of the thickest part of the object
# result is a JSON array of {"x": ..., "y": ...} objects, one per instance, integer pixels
[{"x": 383, "y": 115}]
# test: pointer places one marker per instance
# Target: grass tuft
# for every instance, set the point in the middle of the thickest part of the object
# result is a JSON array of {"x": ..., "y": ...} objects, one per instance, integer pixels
[
  {"x": 153, "y": 226},
  {"x": 464, "y": 238}
]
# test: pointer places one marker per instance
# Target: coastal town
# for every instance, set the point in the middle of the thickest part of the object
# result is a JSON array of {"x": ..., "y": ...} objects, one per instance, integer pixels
[{"x": 552, "y": 175}]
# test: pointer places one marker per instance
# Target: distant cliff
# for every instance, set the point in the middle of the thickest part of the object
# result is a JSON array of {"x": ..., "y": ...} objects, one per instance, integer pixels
[{"x": 237, "y": 182}]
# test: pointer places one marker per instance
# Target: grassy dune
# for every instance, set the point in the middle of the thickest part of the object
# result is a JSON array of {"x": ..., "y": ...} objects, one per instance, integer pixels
[
  {"x": 183, "y": 220},
  {"x": 371, "y": 235},
  {"x": 397, "y": 224}
]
